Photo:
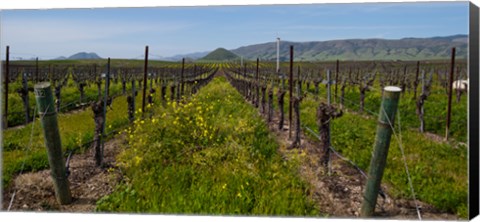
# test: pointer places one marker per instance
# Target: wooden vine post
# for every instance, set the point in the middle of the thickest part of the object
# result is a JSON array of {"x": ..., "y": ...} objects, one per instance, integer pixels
[
  {"x": 290, "y": 86},
  {"x": 450, "y": 90},
  {"x": 36, "y": 70},
  {"x": 386, "y": 119},
  {"x": 145, "y": 70},
  {"x": 281, "y": 101},
  {"x": 106, "y": 102},
  {"x": 337, "y": 67},
  {"x": 182, "y": 74},
  {"x": 48, "y": 120},
  {"x": 257, "y": 89},
  {"x": 6, "y": 79}
]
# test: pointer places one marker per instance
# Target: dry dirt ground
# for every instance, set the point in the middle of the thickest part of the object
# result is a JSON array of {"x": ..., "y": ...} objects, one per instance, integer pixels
[
  {"x": 88, "y": 183},
  {"x": 340, "y": 195}
]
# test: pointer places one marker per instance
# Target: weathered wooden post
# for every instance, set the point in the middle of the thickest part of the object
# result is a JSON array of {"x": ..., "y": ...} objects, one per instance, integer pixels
[
  {"x": 6, "y": 79},
  {"x": 36, "y": 70},
  {"x": 450, "y": 86},
  {"x": 145, "y": 70},
  {"x": 290, "y": 82},
  {"x": 182, "y": 86},
  {"x": 281, "y": 99},
  {"x": 337, "y": 67},
  {"x": 134, "y": 94},
  {"x": 386, "y": 119},
  {"x": 257, "y": 88},
  {"x": 48, "y": 119},
  {"x": 105, "y": 103}
]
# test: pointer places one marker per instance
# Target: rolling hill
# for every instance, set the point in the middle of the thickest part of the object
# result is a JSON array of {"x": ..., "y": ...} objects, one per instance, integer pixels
[
  {"x": 80, "y": 56},
  {"x": 361, "y": 49},
  {"x": 219, "y": 54},
  {"x": 84, "y": 55}
]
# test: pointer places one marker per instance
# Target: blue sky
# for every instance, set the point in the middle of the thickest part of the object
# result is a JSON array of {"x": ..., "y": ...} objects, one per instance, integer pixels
[{"x": 124, "y": 32}]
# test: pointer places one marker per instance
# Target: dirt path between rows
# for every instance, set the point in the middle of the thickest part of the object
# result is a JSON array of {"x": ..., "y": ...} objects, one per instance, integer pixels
[
  {"x": 34, "y": 191},
  {"x": 340, "y": 195}
]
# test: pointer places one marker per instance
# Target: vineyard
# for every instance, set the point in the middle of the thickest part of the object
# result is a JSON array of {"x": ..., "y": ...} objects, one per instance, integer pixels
[{"x": 237, "y": 138}]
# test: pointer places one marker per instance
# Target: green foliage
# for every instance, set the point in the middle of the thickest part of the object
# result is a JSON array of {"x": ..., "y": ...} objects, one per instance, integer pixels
[{"x": 211, "y": 154}]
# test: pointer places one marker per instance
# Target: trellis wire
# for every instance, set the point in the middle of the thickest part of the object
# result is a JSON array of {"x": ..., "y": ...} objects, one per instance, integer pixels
[
  {"x": 382, "y": 194},
  {"x": 400, "y": 145},
  {"x": 26, "y": 152}
]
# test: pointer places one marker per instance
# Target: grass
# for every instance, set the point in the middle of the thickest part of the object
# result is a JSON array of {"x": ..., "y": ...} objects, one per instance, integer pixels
[
  {"x": 70, "y": 97},
  {"x": 438, "y": 169},
  {"x": 17, "y": 149},
  {"x": 213, "y": 154},
  {"x": 210, "y": 155}
]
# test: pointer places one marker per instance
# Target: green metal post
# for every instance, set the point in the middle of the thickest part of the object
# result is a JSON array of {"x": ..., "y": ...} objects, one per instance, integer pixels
[
  {"x": 48, "y": 117},
  {"x": 382, "y": 143}
]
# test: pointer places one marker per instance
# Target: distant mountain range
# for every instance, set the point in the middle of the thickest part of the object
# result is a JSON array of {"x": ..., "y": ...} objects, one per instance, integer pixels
[
  {"x": 361, "y": 49},
  {"x": 347, "y": 49},
  {"x": 80, "y": 56},
  {"x": 353, "y": 49}
]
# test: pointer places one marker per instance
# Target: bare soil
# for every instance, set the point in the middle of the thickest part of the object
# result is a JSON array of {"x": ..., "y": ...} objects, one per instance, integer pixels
[{"x": 34, "y": 191}]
